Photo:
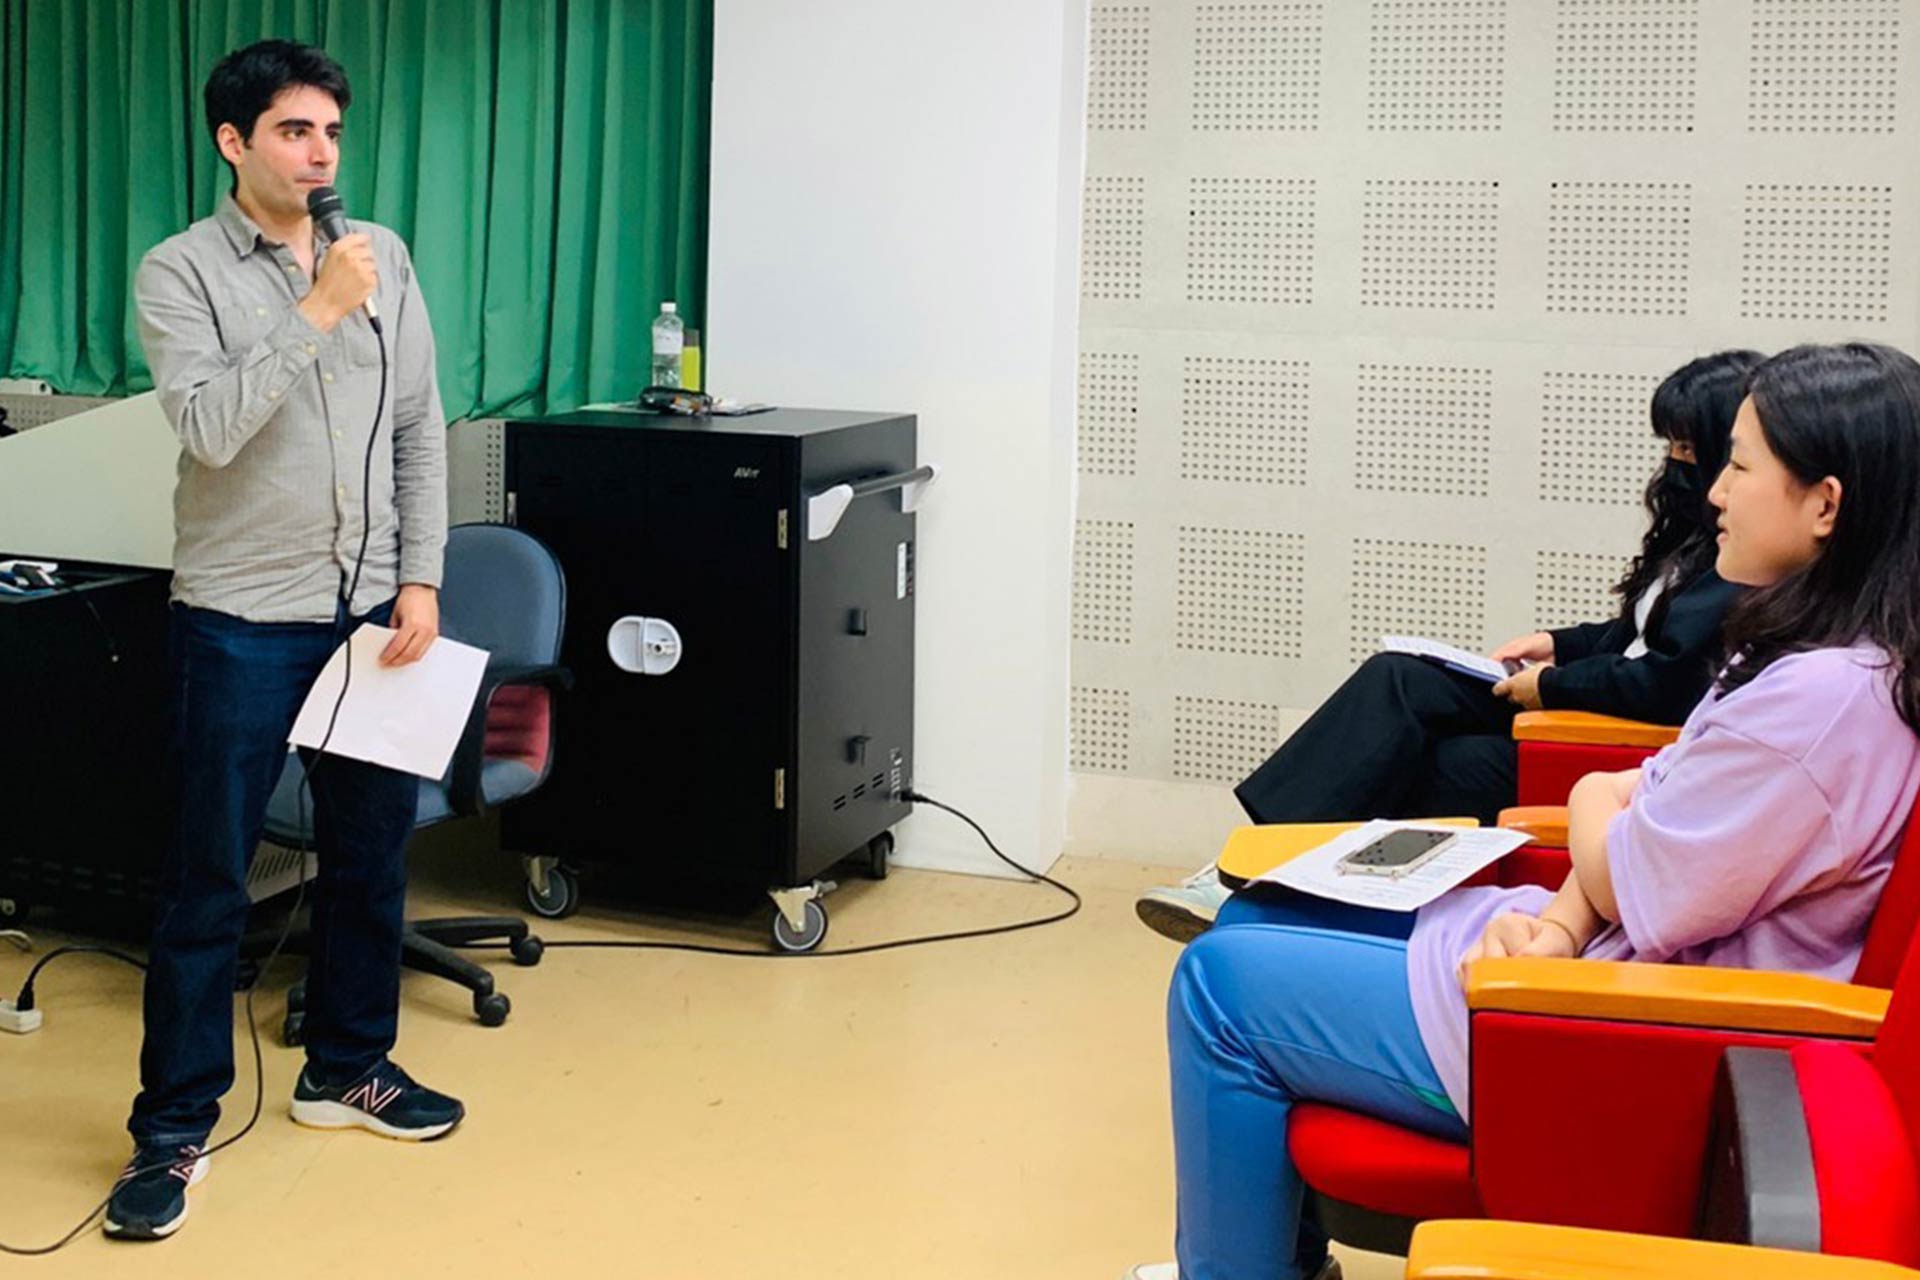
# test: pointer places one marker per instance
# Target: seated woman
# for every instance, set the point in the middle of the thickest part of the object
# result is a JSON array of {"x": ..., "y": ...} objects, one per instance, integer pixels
[
  {"x": 1761, "y": 839},
  {"x": 1405, "y": 738}
]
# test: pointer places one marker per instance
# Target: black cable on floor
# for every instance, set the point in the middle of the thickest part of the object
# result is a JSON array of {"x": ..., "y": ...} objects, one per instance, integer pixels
[
  {"x": 300, "y": 891},
  {"x": 613, "y": 944}
]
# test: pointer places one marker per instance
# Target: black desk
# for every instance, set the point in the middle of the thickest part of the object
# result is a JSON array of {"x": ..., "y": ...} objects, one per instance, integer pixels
[{"x": 83, "y": 732}]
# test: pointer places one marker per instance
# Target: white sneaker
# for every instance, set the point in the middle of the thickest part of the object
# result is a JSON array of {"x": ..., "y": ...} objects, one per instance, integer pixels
[
  {"x": 1171, "y": 1271},
  {"x": 1186, "y": 910}
]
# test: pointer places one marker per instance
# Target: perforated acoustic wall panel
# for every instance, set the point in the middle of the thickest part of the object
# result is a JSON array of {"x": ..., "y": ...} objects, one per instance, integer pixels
[
  {"x": 1251, "y": 240},
  {"x": 1239, "y": 591},
  {"x": 1244, "y": 420},
  {"x": 1424, "y": 430},
  {"x": 1622, "y": 248},
  {"x": 1625, "y": 66},
  {"x": 1111, "y": 237},
  {"x": 1575, "y": 586},
  {"x": 1428, "y": 243},
  {"x": 1101, "y": 729},
  {"x": 1817, "y": 252},
  {"x": 1375, "y": 295},
  {"x": 27, "y": 411},
  {"x": 1436, "y": 64},
  {"x": 1103, "y": 581},
  {"x": 1117, "y": 76},
  {"x": 1435, "y": 589},
  {"x": 1826, "y": 66},
  {"x": 1596, "y": 440},
  {"x": 1109, "y": 412},
  {"x": 1257, "y": 66},
  {"x": 1221, "y": 740}
]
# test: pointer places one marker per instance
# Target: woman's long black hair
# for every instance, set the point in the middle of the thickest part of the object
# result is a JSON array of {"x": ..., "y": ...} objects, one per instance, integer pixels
[
  {"x": 1852, "y": 412},
  {"x": 1694, "y": 406}
]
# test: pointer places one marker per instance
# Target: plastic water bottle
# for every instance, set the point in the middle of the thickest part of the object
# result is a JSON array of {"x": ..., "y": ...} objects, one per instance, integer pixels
[{"x": 669, "y": 339}]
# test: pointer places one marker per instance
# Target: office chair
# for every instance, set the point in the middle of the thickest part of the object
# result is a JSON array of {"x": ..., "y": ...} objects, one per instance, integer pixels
[{"x": 503, "y": 591}]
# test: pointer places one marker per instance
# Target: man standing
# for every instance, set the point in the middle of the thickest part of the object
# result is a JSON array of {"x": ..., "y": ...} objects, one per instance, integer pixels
[{"x": 305, "y": 436}]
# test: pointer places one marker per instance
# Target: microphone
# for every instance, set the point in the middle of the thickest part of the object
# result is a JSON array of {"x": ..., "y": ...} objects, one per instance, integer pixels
[{"x": 324, "y": 204}]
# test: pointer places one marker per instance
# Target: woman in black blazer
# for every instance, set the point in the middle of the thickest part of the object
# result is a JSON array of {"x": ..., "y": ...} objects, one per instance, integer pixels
[{"x": 1407, "y": 738}]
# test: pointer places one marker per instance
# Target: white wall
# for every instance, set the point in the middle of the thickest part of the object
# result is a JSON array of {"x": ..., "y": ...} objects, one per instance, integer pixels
[
  {"x": 1375, "y": 298},
  {"x": 94, "y": 486},
  {"x": 895, "y": 226}
]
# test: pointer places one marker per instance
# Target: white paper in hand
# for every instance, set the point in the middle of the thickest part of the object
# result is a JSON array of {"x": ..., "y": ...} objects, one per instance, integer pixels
[{"x": 408, "y": 718}]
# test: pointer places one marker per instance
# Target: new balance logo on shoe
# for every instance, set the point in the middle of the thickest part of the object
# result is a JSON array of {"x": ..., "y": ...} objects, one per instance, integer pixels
[{"x": 370, "y": 1097}]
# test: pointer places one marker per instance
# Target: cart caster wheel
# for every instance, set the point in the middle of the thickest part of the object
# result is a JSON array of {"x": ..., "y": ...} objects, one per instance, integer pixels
[
  {"x": 561, "y": 899},
  {"x": 808, "y": 937},
  {"x": 293, "y": 1032},
  {"x": 492, "y": 1009},
  {"x": 527, "y": 951},
  {"x": 879, "y": 854}
]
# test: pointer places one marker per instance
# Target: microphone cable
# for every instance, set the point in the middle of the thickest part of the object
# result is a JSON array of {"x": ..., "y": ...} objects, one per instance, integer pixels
[{"x": 300, "y": 892}]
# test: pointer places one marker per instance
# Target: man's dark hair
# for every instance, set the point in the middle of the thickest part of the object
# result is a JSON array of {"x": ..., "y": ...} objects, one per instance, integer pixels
[{"x": 247, "y": 80}]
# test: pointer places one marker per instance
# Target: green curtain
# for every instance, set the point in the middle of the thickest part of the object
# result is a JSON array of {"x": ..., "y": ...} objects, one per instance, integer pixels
[{"x": 546, "y": 160}]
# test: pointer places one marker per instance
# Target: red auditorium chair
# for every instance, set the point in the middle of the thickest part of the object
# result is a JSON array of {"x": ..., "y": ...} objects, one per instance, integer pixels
[
  {"x": 1618, "y": 1062},
  {"x": 1814, "y": 1149},
  {"x": 1558, "y": 748}
]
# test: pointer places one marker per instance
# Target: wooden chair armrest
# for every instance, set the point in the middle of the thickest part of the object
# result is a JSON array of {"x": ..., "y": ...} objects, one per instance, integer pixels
[
  {"x": 1546, "y": 823},
  {"x": 1588, "y": 729},
  {"x": 1453, "y": 1250},
  {"x": 1678, "y": 995}
]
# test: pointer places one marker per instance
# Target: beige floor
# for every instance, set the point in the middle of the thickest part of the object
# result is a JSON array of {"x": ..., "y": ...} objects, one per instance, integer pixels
[{"x": 992, "y": 1108}]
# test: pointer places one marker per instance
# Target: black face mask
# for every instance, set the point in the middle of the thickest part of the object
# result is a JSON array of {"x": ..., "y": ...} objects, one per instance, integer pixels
[{"x": 1682, "y": 479}]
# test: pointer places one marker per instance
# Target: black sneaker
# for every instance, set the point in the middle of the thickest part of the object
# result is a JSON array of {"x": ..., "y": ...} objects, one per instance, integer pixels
[
  {"x": 150, "y": 1200},
  {"x": 385, "y": 1101}
]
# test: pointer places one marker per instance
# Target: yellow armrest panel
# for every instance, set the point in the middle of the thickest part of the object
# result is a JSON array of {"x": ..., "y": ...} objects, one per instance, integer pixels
[
  {"x": 1525, "y": 1251},
  {"x": 1546, "y": 823},
  {"x": 1254, "y": 851},
  {"x": 1678, "y": 995},
  {"x": 1591, "y": 730}
]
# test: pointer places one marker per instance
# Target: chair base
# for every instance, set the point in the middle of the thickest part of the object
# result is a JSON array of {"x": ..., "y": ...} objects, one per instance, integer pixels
[{"x": 426, "y": 946}]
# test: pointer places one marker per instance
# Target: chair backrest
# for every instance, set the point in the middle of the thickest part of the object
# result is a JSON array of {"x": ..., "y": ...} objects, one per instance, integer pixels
[
  {"x": 503, "y": 591},
  {"x": 1897, "y": 916},
  {"x": 1896, "y": 1051}
]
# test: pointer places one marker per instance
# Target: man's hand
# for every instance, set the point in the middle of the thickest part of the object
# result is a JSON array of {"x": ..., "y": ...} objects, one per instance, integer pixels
[
  {"x": 1523, "y": 687},
  {"x": 416, "y": 617},
  {"x": 347, "y": 278},
  {"x": 1537, "y": 647}
]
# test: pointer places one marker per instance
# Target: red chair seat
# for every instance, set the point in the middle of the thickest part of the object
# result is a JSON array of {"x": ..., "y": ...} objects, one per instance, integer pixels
[
  {"x": 1862, "y": 1162},
  {"x": 1388, "y": 1169},
  {"x": 520, "y": 726}
]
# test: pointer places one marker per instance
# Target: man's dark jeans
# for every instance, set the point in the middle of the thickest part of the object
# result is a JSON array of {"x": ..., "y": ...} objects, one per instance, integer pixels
[{"x": 235, "y": 689}]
